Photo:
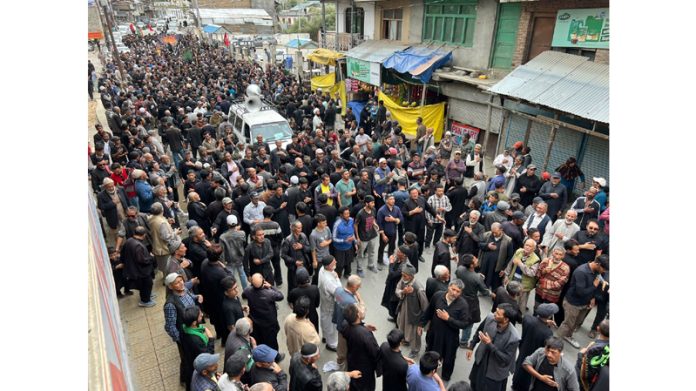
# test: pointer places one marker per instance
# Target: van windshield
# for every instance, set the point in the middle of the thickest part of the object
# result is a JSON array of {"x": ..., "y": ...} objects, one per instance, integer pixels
[{"x": 272, "y": 132}]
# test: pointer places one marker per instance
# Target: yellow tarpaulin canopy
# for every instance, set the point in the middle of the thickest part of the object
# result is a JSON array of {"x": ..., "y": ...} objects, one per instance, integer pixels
[
  {"x": 433, "y": 116},
  {"x": 324, "y": 57},
  {"x": 328, "y": 83}
]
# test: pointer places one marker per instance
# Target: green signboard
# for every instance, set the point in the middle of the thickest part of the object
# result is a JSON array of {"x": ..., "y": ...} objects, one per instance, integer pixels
[
  {"x": 582, "y": 28},
  {"x": 367, "y": 72}
]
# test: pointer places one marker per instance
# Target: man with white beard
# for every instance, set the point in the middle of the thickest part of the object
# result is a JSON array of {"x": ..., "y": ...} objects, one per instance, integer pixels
[
  {"x": 561, "y": 231},
  {"x": 328, "y": 282}
]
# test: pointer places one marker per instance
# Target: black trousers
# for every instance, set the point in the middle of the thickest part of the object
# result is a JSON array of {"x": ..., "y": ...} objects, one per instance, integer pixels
[
  {"x": 144, "y": 286},
  {"x": 277, "y": 274},
  {"x": 449, "y": 355},
  {"x": 267, "y": 335},
  {"x": 391, "y": 243},
  {"x": 183, "y": 378},
  {"x": 343, "y": 260},
  {"x": 433, "y": 233}
]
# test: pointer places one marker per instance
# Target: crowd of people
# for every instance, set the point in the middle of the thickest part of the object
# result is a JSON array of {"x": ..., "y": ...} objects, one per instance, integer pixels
[{"x": 213, "y": 218}]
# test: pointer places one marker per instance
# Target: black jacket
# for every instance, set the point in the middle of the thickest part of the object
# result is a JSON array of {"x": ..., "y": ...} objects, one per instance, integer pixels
[
  {"x": 108, "y": 207},
  {"x": 138, "y": 263}
]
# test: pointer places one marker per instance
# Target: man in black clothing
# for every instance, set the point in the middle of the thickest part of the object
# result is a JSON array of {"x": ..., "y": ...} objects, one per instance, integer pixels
[
  {"x": 212, "y": 273},
  {"x": 258, "y": 254},
  {"x": 274, "y": 234},
  {"x": 232, "y": 308},
  {"x": 139, "y": 266},
  {"x": 437, "y": 283},
  {"x": 447, "y": 313},
  {"x": 295, "y": 251},
  {"x": 266, "y": 370},
  {"x": 262, "y": 298},
  {"x": 304, "y": 375},
  {"x": 196, "y": 248},
  {"x": 470, "y": 234},
  {"x": 306, "y": 289},
  {"x": 442, "y": 255},
  {"x": 535, "y": 331},
  {"x": 414, "y": 214},
  {"x": 393, "y": 364},
  {"x": 196, "y": 211},
  {"x": 528, "y": 185},
  {"x": 592, "y": 242},
  {"x": 327, "y": 210}
]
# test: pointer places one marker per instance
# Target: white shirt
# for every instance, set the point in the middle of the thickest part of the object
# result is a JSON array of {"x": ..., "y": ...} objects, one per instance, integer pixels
[{"x": 534, "y": 223}]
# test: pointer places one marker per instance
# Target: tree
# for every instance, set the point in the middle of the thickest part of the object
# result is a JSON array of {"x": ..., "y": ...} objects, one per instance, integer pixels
[{"x": 312, "y": 23}]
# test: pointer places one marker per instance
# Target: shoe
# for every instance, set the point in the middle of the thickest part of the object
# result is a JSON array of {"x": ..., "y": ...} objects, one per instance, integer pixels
[
  {"x": 280, "y": 357},
  {"x": 361, "y": 273},
  {"x": 391, "y": 319},
  {"x": 421, "y": 259},
  {"x": 463, "y": 345},
  {"x": 372, "y": 269},
  {"x": 153, "y": 296},
  {"x": 405, "y": 343},
  {"x": 413, "y": 354},
  {"x": 573, "y": 342},
  {"x": 323, "y": 340},
  {"x": 592, "y": 334},
  {"x": 120, "y": 295},
  {"x": 128, "y": 293},
  {"x": 380, "y": 267},
  {"x": 331, "y": 348},
  {"x": 150, "y": 303}
]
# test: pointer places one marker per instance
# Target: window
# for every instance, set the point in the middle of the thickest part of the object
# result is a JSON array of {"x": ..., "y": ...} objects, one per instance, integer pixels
[
  {"x": 358, "y": 26},
  {"x": 451, "y": 21},
  {"x": 589, "y": 53},
  {"x": 391, "y": 24}
]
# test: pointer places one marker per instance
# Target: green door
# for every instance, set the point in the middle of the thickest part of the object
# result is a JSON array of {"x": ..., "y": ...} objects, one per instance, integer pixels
[{"x": 506, "y": 35}]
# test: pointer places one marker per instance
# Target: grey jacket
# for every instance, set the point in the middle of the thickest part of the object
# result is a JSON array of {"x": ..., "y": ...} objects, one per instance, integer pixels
[
  {"x": 563, "y": 373},
  {"x": 503, "y": 348},
  {"x": 233, "y": 243}
]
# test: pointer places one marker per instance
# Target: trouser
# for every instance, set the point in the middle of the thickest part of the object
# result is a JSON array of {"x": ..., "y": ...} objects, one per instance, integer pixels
[
  {"x": 420, "y": 238},
  {"x": 366, "y": 249},
  {"x": 144, "y": 286},
  {"x": 400, "y": 228},
  {"x": 183, "y": 378},
  {"x": 574, "y": 316},
  {"x": 176, "y": 156},
  {"x": 433, "y": 233},
  {"x": 390, "y": 244},
  {"x": 466, "y": 333},
  {"x": 267, "y": 335},
  {"x": 449, "y": 354},
  {"x": 602, "y": 311},
  {"x": 341, "y": 352},
  {"x": 523, "y": 299},
  {"x": 328, "y": 328},
  {"x": 538, "y": 300},
  {"x": 343, "y": 260},
  {"x": 134, "y": 201},
  {"x": 239, "y": 269},
  {"x": 292, "y": 278},
  {"x": 277, "y": 274},
  {"x": 162, "y": 264}
]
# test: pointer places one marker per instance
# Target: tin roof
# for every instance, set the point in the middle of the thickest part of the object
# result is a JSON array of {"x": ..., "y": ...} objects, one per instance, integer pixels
[
  {"x": 376, "y": 51},
  {"x": 561, "y": 81}
]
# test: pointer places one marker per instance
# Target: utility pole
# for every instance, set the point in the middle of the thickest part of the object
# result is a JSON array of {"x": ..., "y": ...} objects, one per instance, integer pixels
[
  {"x": 323, "y": 23},
  {"x": 109, "y": 28}
]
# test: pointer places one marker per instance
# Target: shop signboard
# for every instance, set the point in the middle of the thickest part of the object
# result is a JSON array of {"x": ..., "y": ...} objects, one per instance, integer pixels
[
  {"x": 459, "y": 130},
  {"x": 368, "y": 72},
  {"x": 582, "y": 28}
]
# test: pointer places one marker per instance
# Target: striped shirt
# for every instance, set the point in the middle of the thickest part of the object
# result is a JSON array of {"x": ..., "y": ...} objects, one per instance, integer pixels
[{"x": 438, "y": 202}]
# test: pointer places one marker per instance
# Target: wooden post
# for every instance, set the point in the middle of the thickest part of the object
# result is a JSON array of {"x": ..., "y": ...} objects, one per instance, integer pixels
[
  {"x": 502, "y": 133},
  {"x": 552, "y": 138},
  {"x": 488, "y": 125},
  {"x": 527, "y": 132}
]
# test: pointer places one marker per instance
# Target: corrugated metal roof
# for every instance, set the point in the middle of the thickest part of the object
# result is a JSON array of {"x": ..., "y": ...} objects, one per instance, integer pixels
[
  {"x": 564, "y": 82},
  {"x": 375, "y": 51},
  {"x": 228, "y": 13},
  {"x": 211, "y": 28}
]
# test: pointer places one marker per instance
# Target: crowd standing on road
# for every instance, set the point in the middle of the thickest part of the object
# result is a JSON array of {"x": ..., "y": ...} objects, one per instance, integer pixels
[{"x": 188, "y": 205}]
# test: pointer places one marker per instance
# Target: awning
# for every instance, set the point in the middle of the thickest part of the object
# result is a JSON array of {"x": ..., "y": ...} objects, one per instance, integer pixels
[
  {"x": 563, "y": 82},
  {"x": 325, "y": 57},
  {"x": 419, "y": 61},
  {"x": 211, "y": 28},
  {"x": 95, "y": 35},
  {"x": 364, "y": 61},
  {"x": 375, "y": 51}
]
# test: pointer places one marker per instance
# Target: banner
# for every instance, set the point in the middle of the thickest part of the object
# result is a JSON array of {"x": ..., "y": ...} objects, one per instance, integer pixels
[
  {"x": 582, "y": 28},
  {"x": 368, "y": 72},
  {"x": 459, "y": 130},
  {"x": 433, "y": 116},
  {"x": 328, "y": 83}
]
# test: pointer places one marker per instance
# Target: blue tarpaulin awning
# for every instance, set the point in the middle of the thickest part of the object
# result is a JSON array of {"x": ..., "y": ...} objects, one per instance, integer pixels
[
  {"x": 211, "y": 28},
  {"x": 419, "y": 61}
]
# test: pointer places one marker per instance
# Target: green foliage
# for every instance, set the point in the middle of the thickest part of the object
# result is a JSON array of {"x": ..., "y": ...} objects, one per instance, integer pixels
[{"x": 312, "y": 23}]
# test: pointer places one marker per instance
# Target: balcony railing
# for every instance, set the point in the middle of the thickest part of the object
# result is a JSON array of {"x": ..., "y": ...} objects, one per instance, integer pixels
[{"x": 345, "y": 41}]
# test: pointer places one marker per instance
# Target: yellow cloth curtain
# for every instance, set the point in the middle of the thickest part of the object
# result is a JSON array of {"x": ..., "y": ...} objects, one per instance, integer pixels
[
  {"x": 328, "y": 83},
  {"x": 324, "y": 57},
  {"x": 433, "y": 116}
]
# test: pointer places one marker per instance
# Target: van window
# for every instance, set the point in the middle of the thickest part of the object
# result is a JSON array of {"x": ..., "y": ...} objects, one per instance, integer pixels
[
  {"x": 238, "y": 123},
  {"x": 247, "y": 134}
]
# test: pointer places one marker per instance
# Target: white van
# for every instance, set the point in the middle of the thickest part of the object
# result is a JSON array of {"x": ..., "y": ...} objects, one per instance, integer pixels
[{"x": 265, "y": 121}]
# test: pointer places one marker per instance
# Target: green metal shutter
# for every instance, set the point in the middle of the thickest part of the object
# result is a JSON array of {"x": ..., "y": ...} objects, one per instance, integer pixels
[{"x": 506, "y": 35}]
